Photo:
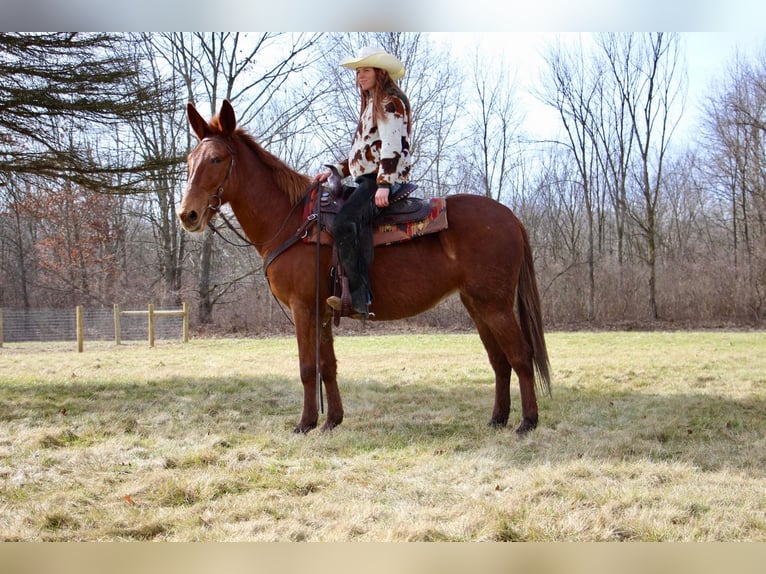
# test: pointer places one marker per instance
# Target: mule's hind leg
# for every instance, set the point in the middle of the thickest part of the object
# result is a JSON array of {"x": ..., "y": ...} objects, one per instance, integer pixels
[
  {"x": 502, "y": 368},
  {"x": 499, "y": 363},
  {"x": 502, "y": 338}
]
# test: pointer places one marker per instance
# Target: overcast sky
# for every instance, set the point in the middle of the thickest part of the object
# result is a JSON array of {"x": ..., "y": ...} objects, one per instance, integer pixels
[
  {"x": 409, "y": 15},
  {"x": 708, "y": 54}
]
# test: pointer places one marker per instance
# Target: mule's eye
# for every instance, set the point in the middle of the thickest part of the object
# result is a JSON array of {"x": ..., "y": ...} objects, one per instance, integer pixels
[{"x": 216, "y": 160}]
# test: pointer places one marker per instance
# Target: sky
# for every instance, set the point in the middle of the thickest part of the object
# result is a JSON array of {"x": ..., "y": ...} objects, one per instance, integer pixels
[
  {"x": 515, "y": 29},
  {"x": 407, "y": 15},
  {"x": 708, "y": 54},
  {"x": 708, "y": 57}
]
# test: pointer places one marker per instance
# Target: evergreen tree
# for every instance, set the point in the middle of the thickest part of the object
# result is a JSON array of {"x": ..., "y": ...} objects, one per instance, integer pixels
[{"x": 61, "y": 94}]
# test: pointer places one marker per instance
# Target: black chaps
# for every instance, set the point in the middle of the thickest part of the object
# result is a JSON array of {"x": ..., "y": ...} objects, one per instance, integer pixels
[{"x": 352, "y": 231}]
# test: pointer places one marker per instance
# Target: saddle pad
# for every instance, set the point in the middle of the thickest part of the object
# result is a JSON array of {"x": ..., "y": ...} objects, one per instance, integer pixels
[{"x": 389, "y": 233}]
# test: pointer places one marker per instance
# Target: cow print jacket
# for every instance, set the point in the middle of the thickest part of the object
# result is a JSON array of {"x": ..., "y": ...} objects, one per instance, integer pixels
[{"x": 384, "y": 148}]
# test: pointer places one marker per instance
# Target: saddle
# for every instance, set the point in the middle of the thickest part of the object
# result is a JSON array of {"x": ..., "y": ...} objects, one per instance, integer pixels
[
  {"x": 402, "y": 208},
  {"x": 405, "y": 218}
]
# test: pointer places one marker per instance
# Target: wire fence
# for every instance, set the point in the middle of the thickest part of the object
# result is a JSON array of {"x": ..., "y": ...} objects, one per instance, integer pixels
[{"x": 104, "y": 324}]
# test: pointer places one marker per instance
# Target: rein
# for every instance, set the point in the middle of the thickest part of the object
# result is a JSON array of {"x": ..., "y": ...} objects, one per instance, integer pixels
[
  {"x": 245, "y": 241},
  {"x": 215, "y": 203}
]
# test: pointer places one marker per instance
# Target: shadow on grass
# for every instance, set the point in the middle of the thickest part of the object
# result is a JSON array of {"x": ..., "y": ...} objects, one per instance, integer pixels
[{"x": 707, "y": 431}]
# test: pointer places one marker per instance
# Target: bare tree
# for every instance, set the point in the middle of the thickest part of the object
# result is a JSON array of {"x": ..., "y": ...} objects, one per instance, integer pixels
[
  {"x": 735, "y": 127},
  {"x": 645, "y": 68},
  {"x": 574, "y": 90},
  {"x": 495, "y": 125},
  {"x": 254, "y": 72},
  {"x": 159, "y": 139},
  {"x": 16, "y": 243},
  {"x": 614, "y": 146}
]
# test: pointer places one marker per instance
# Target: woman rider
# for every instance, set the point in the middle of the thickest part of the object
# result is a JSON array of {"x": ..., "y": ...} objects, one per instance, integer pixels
[{"x": 379, "y": 158}]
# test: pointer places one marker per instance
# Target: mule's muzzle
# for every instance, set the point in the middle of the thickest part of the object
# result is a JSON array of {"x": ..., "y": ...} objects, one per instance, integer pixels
[{"x": 191, "y": 220}]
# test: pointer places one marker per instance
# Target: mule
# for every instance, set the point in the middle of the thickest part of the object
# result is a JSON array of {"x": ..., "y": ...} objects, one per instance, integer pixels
[{"x": 484, "y": 255}]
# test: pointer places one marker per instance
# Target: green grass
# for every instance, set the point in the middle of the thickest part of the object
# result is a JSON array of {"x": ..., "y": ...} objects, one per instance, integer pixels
[{"x": 648, "y": 436}]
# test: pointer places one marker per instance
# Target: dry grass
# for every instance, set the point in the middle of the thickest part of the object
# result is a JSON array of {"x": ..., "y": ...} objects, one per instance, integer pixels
[{"x": 655, "y": 436}]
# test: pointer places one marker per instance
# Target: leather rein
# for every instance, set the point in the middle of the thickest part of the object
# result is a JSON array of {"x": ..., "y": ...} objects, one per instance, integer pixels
[{"x": 215, "y": 203}]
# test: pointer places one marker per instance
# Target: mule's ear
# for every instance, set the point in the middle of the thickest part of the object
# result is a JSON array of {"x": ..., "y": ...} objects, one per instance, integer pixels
[
  {"x": 197, "y": 122},
  {"x": 227, "y": 119}
]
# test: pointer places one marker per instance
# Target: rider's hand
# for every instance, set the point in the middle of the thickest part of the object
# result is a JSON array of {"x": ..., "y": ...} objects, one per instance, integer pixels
[
  {"x": 322, "y": 177},
  {"x": 381, "y": 196}
]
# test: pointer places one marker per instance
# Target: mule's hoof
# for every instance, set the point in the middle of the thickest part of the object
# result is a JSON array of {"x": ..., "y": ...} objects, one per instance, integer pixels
[
  {"x": 304, "y": 428},
  {"x": 525, "y": 427},
  {"x": 497, "y": 424},
  {"x": 328, "y": 426}
]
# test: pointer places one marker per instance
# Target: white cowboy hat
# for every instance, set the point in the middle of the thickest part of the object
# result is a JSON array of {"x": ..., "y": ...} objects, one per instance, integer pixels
[{"x": 375, "y": 58}]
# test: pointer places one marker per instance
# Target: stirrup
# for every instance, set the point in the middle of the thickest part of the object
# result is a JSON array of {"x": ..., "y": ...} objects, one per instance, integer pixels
[{"x": 335, "y": 303}]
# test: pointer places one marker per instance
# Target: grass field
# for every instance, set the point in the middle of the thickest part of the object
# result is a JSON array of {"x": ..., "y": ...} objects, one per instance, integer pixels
[{"x": 648, "y": 436}]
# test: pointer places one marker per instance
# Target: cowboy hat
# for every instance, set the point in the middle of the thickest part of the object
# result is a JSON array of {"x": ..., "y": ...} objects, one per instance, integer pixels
[{"x": 375, "y": 58}]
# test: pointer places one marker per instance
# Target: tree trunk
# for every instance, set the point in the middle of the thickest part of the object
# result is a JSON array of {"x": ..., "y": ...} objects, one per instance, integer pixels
[{"x": 205, "y": 306}]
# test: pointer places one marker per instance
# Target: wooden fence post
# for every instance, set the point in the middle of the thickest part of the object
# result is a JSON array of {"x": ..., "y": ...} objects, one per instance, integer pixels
[
  {"x": 151, "y": 324},
  {"x": 78, "y": 322},
  {"x": 186, "y": 323},
  {"x": 117, "y": 334},
  {"x": 152, "y": 314},
  {"x": 1, "y": 326}
]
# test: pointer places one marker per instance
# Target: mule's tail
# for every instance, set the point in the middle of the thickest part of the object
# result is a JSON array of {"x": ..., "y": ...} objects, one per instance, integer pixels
[{"x": 531, "y": 318}]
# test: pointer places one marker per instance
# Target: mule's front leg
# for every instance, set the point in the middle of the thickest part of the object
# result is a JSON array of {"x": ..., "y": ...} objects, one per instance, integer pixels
[
  {"x": 328, "y": 371},
  {"x": 310, "y": 415}
]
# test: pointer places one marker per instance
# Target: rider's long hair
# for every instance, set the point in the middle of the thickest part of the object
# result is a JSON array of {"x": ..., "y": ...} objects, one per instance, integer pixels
[{"x": 385, "y": 86}]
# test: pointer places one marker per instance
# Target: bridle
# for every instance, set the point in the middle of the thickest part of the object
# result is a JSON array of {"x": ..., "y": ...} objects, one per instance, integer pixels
[{"x": 215, "y": 203}]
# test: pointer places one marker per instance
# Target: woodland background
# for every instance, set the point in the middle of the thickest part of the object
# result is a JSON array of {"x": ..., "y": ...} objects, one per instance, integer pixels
[{"x": 630, "y": 224}]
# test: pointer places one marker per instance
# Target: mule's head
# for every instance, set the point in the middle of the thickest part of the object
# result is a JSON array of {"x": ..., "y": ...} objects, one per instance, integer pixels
[{"x": 209, "y": 167}]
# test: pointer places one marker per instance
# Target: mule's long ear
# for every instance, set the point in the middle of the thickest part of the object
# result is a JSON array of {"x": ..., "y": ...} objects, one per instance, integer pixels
[
  {"x": 227, "y": 119},
  {"x": 197, "y": 122}
]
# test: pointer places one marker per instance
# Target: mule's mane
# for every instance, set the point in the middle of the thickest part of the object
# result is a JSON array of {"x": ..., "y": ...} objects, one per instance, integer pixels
[{"x": 289, "y": 181}]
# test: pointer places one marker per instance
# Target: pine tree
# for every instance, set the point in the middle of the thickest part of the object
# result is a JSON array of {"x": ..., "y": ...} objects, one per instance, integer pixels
[{"x": 60, "y": 93}]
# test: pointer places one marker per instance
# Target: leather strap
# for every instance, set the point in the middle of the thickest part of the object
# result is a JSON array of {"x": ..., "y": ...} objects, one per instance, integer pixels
[{"x": 300, "y": 233}]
